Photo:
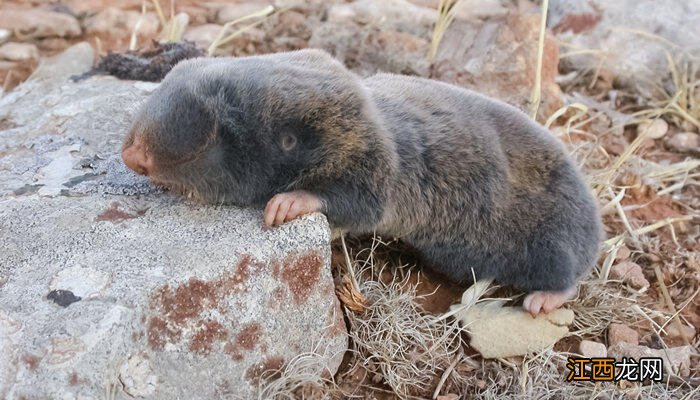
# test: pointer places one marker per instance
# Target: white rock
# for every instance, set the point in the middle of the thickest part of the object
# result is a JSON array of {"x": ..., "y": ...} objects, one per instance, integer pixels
[
  {"x": 497, "y": 332},
  {"x": 591, "y": 349},
  {"x": 5, "y": 35},
  {"x": 13, "y": 51},
  {"x": 654, "y": 129},
  {"x": 38, "y": 23},
  {"x": 118, "y": 22},
  {"x": 82, "y": 282},
  {"x": 685, "y": 142},
  {"x": 136, "y": 374},
  {"x": 203, "y": 35}
]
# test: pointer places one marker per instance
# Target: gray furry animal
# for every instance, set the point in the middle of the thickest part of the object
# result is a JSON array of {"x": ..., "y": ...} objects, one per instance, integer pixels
[{"x": 469, "y": 181}]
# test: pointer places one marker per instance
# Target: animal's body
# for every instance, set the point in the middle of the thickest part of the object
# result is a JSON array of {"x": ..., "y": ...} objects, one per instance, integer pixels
[{"x": 470, "y": 182}]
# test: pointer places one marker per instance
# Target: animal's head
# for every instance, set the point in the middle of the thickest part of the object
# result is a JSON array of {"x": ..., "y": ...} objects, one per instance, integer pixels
[{"x": 239, "y": 130}]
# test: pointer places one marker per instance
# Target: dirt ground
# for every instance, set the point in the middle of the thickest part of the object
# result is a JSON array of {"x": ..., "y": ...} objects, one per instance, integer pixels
[{"x": 649, "y": 196}]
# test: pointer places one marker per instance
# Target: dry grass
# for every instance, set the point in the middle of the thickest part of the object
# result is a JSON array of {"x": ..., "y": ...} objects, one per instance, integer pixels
[
  {"x": 537, "y": 88},
  {"x": 223, "y": 38},
  {"x": 390, "y": 335},
  {"x": 411, "y": 352},
  {"x": 304, "y": 377},
  {"x": 446, "y": 13},
  {"x": 542, "y": 376}
]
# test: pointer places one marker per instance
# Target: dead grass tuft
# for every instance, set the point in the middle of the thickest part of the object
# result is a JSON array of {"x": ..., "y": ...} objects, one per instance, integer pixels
[
  {"x": 303, "y": 377},
  {"x": 411, "y": 352},
  {"x": 446, "y": 13}
]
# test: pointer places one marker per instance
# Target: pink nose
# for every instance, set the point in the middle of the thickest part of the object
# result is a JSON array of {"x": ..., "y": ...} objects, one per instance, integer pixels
[{"x": 136, "y": 158}]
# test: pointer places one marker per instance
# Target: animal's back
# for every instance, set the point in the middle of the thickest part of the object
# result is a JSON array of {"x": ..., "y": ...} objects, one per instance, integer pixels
[{"x": 497, "y": 187}]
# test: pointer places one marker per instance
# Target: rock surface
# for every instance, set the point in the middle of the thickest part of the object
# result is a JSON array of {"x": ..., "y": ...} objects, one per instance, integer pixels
[
  {"x": 488, "y": 51},
  {"x": 619, "y": 333},
  {"x": 685, "y": 142},
  {"x": 14, "y": 51},
  {"x": 630, "y": 38},
  {"x": 113, "y": 21},
  {"x": 497, "y": 332},
  {"x": 109, "y": 286},
  {"x": 37, "y": 23},
  {"x": 203, "y": 35},
  {"x": 676, "y": 360},
  {"x": 630, "y": 273},
  {"x": 591, "y": 349}
]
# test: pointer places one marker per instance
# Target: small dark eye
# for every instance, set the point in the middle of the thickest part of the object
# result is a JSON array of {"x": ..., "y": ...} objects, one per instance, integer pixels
[{"x": 289, "y": 141}]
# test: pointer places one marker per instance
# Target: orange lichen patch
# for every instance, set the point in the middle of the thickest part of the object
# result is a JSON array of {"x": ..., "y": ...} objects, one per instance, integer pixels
[
  {"x": 301, "y": 273},
  {"x": 233, "y": 350},
  {"x": 187, "y": 301},
  {"x": 245, "y": 341},
  {"x": 210, "y": 332},
  {"x": 31, "y": 360},
  {"x": 276, "y": 268},
  {"x": 74, "y": 379},
  {"x": 249, "y": 336},
  {"x": 159, "y": 333},
  {"x": 236, "y": 282},
  {"x": 114, "y": 214},
  {"x": 180, "y": 309},
  {"x": 270, "y": 366}
]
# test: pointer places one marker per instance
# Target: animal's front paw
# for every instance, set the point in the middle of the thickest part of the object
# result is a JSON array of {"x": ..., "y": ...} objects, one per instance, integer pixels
[
  {"x": 285, "y": 207},
  {"x": 547, "y": 301}
]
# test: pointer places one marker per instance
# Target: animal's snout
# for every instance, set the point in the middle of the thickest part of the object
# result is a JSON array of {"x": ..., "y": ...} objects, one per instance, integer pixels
[{"x": 137, "y": 158}]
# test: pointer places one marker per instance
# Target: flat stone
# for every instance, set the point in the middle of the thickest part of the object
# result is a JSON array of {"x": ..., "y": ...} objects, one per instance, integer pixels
[
  {"x": 13, "y": 51},
  {"x": 591, "y": 349},
  {"x": 113, "y": 21},
  {"x": 629, "y": 38},
  {"x": 498, "y": 332},
  {"x": 654, "y": 129},
  {"x": 630, "y": 273},
  {"x": 106, "y": 283},
  {"x": 676, "y": 360},
  {"x": 203, "y": 35},
  {"x": 685, "y": 142},
  {"x": 619, "y": 333},
  {"x": 38, "y": 23},
  {"x": 495, "y": 56}
]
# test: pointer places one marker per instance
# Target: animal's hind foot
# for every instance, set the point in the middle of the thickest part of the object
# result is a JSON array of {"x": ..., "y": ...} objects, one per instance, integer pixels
[{"x": 547, "y": 301}]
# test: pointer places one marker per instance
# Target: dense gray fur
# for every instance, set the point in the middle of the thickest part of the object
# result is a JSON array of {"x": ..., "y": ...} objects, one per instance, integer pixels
[{"x": 471, "y": 182}]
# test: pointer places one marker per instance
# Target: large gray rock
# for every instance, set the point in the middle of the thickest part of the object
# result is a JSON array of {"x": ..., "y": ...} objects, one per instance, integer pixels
[
  {"x": 483, "y": 49},
  {"x": 110, "y": 287},
  {"x": 628, "y": 38}
]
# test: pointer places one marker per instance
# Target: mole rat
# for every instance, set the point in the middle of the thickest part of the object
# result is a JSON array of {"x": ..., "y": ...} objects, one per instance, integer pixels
[{"x": 469, "y": 181}]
